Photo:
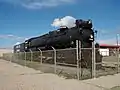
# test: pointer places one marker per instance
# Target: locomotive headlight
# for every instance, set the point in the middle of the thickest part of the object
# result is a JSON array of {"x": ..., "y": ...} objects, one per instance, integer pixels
[
  {"x": 89, "y": 21},
  {"x": 91, "y": 37}
]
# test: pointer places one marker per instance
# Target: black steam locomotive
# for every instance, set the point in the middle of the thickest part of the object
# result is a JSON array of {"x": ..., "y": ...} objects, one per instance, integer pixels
[{"x": 63, "y": 38}]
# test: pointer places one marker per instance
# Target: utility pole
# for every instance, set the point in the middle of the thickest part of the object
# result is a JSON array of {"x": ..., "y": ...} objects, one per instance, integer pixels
[{"x": 117, "y": 38}]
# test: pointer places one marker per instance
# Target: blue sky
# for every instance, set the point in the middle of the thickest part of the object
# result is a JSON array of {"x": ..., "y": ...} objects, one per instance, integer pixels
[{"x": 20, "y": 19}]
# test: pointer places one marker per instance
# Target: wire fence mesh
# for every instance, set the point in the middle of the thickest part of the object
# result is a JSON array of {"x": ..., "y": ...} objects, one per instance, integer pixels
[
  {"x": 110, "y": 63},
  {"x": 65, "y": 62}
]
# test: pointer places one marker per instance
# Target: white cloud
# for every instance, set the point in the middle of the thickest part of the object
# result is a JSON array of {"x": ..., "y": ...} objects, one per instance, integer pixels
[
  {"x": 68, "y": 21},
  {"x": 9, "y": 36},
  {"x": 38, "y": 4}
]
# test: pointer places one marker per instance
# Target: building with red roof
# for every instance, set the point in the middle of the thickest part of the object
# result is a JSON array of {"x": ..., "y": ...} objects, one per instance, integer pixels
[
  {"x": 109, "y": 50},
  {"x": 109, "y": 46}
]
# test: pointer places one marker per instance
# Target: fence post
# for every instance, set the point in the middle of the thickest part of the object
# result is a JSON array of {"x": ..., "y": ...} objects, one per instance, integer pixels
[
  {"x": 54, "y": 59},
  {"x": 11, "y": 57},
  {"x": 118, "y": 59},
  {"x": 18, "y": 56},
  {"x": 80, "y": 60},
  {"x": 78, "y": 55},
  {"x": 78, "y": 75},
  {"x": 25, "y": 58},
  {"x": 93, "y": 60},
  {"x": 40, "y": 56},
  {"x": 31, "y": 55},
  {"x": 14, "y": 56}
]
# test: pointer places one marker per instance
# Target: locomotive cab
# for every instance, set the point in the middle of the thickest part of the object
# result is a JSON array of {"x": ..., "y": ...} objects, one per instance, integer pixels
[{"x": 84, "y": 24}]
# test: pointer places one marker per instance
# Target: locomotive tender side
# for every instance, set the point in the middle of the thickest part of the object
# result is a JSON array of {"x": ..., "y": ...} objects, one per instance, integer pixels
[{"x": 19, "y": 48}]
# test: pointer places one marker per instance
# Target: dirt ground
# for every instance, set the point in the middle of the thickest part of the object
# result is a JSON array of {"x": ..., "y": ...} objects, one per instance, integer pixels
[{"x": 17, "y": 77}]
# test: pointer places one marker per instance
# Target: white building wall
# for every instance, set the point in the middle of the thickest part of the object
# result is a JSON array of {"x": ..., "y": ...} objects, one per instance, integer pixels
[{"x": 104, "y": 52}]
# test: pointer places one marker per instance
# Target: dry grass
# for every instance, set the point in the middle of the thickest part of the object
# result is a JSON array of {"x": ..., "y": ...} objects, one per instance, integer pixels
[{"x": 2, "y": 50}]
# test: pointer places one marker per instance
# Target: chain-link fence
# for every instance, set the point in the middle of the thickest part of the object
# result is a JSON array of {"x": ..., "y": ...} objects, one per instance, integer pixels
[
  {"x": 77, "y": 63},
  {"x": 110, "y": 62}
]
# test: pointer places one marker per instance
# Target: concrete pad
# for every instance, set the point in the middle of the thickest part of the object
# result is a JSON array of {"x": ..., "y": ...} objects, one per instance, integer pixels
[{"x": 108, "y": 81}]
